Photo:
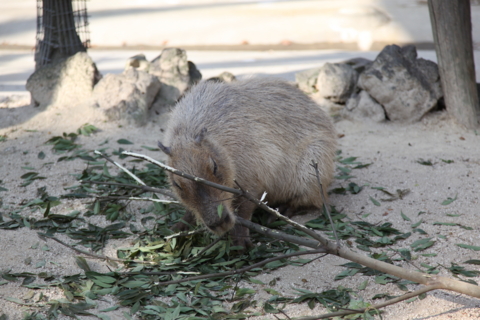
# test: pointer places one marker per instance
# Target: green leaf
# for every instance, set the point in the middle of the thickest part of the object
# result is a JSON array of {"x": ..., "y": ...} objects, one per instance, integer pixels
[
  {"x": 476, "y": 262},
  {"x": 445, "y": 223},
  {"x": 40, "y": 264},
  {"x": 449, "y": 200},
  {"x": 150, "y": 148},
  {"x": 404, "y": 216},
  {"x": 363, "y": 285},
  {"x": 272, "y": 291},
  {"x": 350, "y": 160},
  {"x": 466, "y": 246},
  {"x": 15, "y": 300},
  {"x": 422, "y": 244},
  {"x": 29, "y": 175},
  {"x": 447, "y": 161},
  {"x": 268, "y": 308},
  {"x": 220, "y": 210},
  {"x": 425, "y": 162},
  {"x": 87, "y": 129},
  {"x": 41, "y": 155},
  {"x": 275, "y": 264},
  {"x": 134, "y": 284},
  {"x": 375, "y": 202},
  {"x": 381, "y": 280},
  {"x": 405, "y": 253},
  {"x": 82, "y": 263},
  {"x": 417, "y": 224},
  {"x": 244, "y": 291},
  {"x": 256, "y": 281},
  {"x": 124, "y": 141}
]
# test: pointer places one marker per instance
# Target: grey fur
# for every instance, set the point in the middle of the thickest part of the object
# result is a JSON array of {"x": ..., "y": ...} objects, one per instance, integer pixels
[{"x": 262, "y": 132}]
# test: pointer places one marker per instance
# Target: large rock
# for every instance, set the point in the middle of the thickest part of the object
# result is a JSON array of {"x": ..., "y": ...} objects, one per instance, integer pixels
[
  {"x": 362, "y": 107},
  {"x": 307, "y": 79},
  {"x": 64, "y": 82},
  {"x": 336, "y": 82},
  {"x": 127, "y": 96},
  {"x": 405, "y": 86},
  {"x": 176, "y": 74}
]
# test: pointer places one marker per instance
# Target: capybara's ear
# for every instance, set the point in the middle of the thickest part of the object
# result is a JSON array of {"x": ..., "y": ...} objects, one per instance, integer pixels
[
  {"x": 199, "y": 138},
  {"x": 166, "y": 150}
]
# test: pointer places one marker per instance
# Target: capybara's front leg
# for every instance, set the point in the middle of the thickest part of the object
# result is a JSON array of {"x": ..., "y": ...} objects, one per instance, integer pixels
[{"x": 241, "y": 235}]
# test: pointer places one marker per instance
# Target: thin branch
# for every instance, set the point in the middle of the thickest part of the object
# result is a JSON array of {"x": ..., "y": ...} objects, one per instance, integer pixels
[
  {"x": 182, "y": 174},
  {"x": 276, "y": 234},
  {"x": 373, "y": 307},
  {"x": 140, "y": 199},
  {"x": 165, "y": 192},
  {"x": 333, "y": 248},
  {"x": 121, "y": 167},
  {"x": 185, "y": 233}
]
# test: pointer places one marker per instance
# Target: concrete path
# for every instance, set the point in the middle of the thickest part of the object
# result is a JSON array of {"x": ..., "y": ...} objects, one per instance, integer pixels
[
  {"x": 233, "y": 22},
  {"x": 205, "y": 24}
]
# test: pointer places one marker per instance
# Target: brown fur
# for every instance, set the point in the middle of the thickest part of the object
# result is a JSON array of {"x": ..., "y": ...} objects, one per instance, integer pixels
[{"x": 264, "y": 133}]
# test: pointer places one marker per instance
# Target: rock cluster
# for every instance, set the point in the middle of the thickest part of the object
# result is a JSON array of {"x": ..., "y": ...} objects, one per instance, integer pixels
[
  {"x": 145, "y": 86},
  {"x": 396, "y": 86},
  {"x": 128, "y": 96}
]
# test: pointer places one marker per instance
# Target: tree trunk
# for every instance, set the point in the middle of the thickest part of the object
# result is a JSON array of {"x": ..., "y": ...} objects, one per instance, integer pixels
[
  {"x": 452, "y": 33},
  {"x": 60, "y": 38}
]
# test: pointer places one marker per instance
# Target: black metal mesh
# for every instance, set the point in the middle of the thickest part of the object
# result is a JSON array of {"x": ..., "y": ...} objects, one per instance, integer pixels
[{"x": 62, "y": 29}]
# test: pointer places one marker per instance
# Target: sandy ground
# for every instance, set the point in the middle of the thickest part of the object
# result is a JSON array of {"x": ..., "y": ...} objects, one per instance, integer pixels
[{"x": 392, "y": 149}]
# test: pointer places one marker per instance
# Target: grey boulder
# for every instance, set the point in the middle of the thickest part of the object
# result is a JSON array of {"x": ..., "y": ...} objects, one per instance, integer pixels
[
  {"x": 336, "y": 82},
  {"x": 176, "y": 74},
  {"x": 405, "y": 86},
  {"x": 307, "y": 79},
  {"x": 362, "y": 107},
  {"x": 127, "y": 96},
  {"x": 65, "y": 82}
]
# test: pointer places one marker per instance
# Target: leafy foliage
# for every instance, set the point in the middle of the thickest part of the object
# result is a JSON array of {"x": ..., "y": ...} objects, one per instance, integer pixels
[{"x": 142, "y": 280}]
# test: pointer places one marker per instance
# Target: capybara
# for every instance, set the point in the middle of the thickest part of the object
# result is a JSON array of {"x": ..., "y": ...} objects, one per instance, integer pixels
[{"x": 261, "y": 132}]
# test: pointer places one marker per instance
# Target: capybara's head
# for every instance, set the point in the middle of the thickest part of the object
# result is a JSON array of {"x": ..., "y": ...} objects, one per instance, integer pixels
[{"x": 200, "y": 157}]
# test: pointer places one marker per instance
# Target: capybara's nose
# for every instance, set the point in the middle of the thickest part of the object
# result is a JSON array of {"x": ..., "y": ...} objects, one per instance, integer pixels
[{"x": 221, "y": 225}]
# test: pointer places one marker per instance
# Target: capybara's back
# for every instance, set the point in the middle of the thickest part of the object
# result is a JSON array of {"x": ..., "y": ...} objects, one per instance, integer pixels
[{"x": 263, "y": 133}]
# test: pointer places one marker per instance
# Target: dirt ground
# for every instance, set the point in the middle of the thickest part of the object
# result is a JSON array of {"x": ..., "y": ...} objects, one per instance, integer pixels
[{"x": 393, "y": 150}]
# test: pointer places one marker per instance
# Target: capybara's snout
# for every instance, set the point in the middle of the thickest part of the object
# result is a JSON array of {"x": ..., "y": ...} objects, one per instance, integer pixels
[{"x": 219, "y": 221}]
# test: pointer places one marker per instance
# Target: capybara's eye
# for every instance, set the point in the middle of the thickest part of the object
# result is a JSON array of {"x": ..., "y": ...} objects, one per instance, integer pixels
[
  {"x": 176, "y": 185},
  {"x": 214, "y": 167}
]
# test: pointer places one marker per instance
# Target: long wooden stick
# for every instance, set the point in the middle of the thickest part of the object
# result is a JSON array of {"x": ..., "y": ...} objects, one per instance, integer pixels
[{"x": 439, "y": 282}]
